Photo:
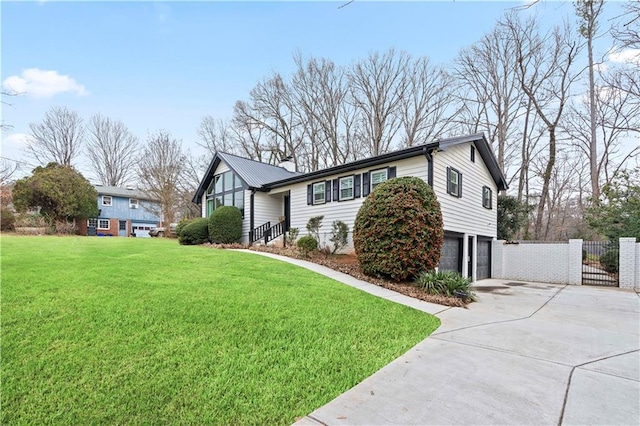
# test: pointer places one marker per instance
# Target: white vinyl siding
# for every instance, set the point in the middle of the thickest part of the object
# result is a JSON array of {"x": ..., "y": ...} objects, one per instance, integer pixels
[
  {"x": 465, "y": 214},
  {"x": 345, "y": 211}
]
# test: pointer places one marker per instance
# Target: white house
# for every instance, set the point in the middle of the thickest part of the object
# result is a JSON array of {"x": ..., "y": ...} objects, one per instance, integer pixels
[{"x": 463, "y": 172}]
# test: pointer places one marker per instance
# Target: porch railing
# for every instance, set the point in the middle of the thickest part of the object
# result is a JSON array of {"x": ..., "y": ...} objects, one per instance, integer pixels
[
  {"x": 258, "y": 233},
  {"x": 267, "y": 232}
]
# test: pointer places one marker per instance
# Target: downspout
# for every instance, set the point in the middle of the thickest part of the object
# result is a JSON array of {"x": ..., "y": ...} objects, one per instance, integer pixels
[
  {"x": 251, "y": 212},
  {"x": 429, "y": 157}
]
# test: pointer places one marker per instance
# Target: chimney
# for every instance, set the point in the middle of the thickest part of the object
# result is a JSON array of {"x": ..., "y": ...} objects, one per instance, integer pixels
[{"x": 287, "y": 164}]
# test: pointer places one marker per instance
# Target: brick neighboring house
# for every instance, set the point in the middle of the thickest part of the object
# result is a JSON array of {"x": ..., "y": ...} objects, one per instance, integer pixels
[{"x": 122, "y": 212}]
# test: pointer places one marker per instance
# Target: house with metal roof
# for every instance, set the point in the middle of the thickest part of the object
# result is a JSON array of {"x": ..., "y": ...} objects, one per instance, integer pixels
[
  {"x": 463, "y": 172},
  {"x": 123, "y": 212}
]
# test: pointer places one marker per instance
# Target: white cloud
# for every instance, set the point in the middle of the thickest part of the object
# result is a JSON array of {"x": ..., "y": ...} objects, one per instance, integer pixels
[
  {"x": 39, "y": 83},
  {"x": 626, "y": 56},
  {"x": 16, "y": 140}
]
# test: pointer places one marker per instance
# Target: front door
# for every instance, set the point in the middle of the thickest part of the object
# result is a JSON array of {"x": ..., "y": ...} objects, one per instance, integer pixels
[{"x": 122, "y": 228}]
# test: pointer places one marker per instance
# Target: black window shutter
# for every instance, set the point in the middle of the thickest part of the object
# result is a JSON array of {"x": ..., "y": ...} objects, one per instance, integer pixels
[
  {"x": 391, "y": 173},
  {"x": 365, "y": 184},
  {"x": 356, "y": 186},
  {"x": 327, "y": 191},
  {"x": 336, "y": 190},
  {"x": 309, "y": 195},
  {"x": 448, "y": 180},
  {"x": 459, "y": 185}
]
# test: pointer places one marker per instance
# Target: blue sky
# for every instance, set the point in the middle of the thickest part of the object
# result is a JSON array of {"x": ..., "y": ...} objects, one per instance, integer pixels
[{"x": 165, "y": 65}]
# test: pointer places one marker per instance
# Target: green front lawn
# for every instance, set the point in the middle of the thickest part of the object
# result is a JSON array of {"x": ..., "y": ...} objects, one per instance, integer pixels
[{"x": 121, "y": 331}]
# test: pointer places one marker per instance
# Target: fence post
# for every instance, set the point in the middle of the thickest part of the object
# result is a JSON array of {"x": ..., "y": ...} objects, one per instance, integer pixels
[
  {"x": 575, "y": 262},
  {"x": 497, "y": 260},
  {"x": 627, "y": 263}
]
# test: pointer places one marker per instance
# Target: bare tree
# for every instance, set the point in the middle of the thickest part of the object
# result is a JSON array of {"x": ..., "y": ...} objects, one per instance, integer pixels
[
  {"x": 8, "y": 168},
  {"x": 216, "y": 135},
  {"x": 57, "y": 138},
  {"x": 488, "y": 75},
  {"x": 378, "y": 84},
  {"x": 617, "y": 118},
  {"x": 161, "y": 170},
  {"x": 545, "y": 72},
  {"x": 589, "y": 11},
  {"x": 112, "y": 150},
  {"x": 270, "y": 109},
  {"x": 426, "y": 108},
  {"x": 5, "y": 93},
  {"x": 248, "y": 133},
  {"x": 627, "y": 33}
]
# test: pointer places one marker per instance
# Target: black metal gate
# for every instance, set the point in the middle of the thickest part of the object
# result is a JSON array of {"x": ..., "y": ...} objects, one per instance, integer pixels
[{"x": 600, "y": 263}]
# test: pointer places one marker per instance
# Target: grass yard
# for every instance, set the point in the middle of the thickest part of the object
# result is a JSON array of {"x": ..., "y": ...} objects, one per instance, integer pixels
[{"x": 144, "y": 331}]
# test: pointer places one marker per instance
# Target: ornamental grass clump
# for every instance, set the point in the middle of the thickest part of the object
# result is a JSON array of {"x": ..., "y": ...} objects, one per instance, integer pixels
[
  {"x": 398, "y": 230},
  {"x": 446, "y": 283}
]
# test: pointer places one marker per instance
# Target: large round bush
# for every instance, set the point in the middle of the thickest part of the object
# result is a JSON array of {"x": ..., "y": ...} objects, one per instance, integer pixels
[
  {"x": 196, "y": 232},
  {"x": 225, "y": 225},
  {"x": 398, "y": 230}
]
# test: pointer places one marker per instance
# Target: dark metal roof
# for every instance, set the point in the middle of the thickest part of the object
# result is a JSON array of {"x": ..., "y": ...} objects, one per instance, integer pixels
[
  {"x": 263, "y": 176},
  {"x": 480, "y": 141},
  {"x": 253, "y": 174}
]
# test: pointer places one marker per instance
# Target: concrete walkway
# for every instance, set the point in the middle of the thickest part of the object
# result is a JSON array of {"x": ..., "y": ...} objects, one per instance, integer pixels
[{"x": 525, "y": 353}]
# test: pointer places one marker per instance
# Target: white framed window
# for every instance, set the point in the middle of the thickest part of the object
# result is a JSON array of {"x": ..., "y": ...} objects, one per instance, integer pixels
[
  {"x": 377, "y": 177},
  {"x": 92, "y": 222},
  {"x": 487, "y": 195},
  {"x": 346, "y": 188},
  {"x": 318, "y": 193},
  {"x": 106, "y": 200},
  {"x": 103, "y": 224},
  {"x": 454, "y": 182},
  {"x": 133, "y": 203}
]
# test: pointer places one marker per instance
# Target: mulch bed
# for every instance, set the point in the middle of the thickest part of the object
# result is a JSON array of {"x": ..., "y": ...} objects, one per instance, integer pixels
[{"x": 348, "y": 264}]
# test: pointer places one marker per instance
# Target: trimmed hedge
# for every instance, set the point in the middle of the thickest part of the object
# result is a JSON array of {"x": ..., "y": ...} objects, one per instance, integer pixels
[
  {"x": 307, "y": 244},
  {"x": 181, "y": 225},
  {"x": 398, "y": 230},
  {"x": 225, "y": 225},
  {"x": 196, "y": 232}
]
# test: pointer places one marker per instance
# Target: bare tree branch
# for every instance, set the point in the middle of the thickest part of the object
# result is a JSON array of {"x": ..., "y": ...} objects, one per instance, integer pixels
[
  {"x": 112, "y": 151},
  {"x": 57, "y": 138}
]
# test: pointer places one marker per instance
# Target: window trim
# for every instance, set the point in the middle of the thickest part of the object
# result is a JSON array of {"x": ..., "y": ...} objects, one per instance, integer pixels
[
  {"x": 231, "y": 188},
  {"x": 313, "y": 192},
  {"x": 458, "y": 193},
  {"x": 486, "y": 189},
  {"x": 102, "y": 228},
  {"x": 104, "y": 201},
  {"x": 353, "y": 189},
  {"x": 133, "y": 205},
  {"x": 371, "y": 172},
  {"x": 89, "y": 222}
]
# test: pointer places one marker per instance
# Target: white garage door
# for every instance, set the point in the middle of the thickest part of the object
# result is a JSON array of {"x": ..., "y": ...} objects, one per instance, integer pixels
[{"x": 142, "y": 229}]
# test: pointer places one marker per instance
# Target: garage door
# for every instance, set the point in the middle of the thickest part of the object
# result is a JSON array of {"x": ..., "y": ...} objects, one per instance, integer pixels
[
  {"x": 142, "y": 229},
  {"x": 484, "y": 260},
  {"x": 450, "y": 257}
]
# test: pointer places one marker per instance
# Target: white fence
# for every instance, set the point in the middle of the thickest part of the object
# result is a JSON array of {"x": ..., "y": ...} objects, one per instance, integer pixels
[{"x": 559, "y": 263}]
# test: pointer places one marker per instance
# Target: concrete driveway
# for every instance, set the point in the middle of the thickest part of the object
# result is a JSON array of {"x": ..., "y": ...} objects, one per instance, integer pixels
[{"x": 526, "y": 353}]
